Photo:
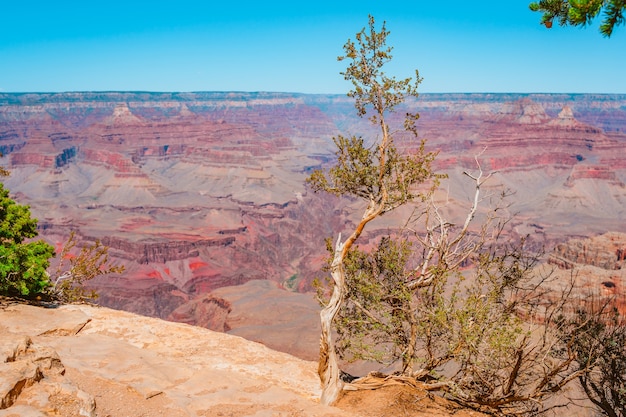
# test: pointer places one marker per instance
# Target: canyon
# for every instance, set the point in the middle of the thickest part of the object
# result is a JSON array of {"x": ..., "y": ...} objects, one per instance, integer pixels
[{"x": 202, "y": 196}]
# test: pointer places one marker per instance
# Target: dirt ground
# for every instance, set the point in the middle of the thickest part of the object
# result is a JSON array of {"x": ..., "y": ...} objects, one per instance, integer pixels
[
  {"x": 401, "y": 401},
  {"x": 115, "y": 400}
]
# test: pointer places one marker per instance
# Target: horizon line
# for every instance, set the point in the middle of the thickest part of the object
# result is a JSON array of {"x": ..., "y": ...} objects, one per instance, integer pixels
[{"x": 290, "y": 92}]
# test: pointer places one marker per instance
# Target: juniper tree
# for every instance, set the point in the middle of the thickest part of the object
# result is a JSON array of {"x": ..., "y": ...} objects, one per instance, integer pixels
[
  {"x": 412, "y": 300},
  {"x": 373, "y": 171}
]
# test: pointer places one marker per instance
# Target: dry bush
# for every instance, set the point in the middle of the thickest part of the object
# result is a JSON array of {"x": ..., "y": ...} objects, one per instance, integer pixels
[{"x": 75, "y": 269}]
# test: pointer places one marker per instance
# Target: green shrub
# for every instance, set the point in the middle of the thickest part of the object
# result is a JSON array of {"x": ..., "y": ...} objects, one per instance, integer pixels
[{"x": 23, "y": 263}]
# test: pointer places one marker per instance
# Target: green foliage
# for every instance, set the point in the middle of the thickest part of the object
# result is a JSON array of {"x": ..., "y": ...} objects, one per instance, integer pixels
[
  {"x": 581, "y": 12},
  {"x": 381, "y": 177},
  {"x": 467, "y": 320},
  {"x": 482, "y": 332},
  {"x": 23, "y": 263},
  {"x": 473, "y": 330},
  {"x": 74, "y": 270},
  {"x": 377, "y": 173},
  {"x": 372, "y": 325},
  {"x": 372, "y": 87}
]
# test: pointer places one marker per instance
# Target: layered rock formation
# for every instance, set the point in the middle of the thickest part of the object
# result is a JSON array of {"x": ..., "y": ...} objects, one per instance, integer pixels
[
  {"x": 198, "y": 191},
  {"x": 597, "y": 267}
]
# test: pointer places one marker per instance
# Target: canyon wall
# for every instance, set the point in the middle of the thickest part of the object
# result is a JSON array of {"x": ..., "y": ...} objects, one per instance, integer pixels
[{"x": 198, "y": 191}]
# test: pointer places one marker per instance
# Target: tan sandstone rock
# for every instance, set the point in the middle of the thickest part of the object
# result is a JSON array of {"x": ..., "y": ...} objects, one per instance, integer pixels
[{"x": 96, "y": 362}]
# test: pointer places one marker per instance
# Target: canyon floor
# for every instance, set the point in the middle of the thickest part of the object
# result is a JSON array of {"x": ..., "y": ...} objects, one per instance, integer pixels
[{"x": 81, "y": 360}]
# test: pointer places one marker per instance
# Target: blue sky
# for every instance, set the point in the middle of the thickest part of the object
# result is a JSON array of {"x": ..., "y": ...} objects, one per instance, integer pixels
[{"x": 184, "y": 45}]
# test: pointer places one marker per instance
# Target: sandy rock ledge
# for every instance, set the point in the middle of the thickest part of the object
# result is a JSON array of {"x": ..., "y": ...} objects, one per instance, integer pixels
[{"x": 96, "y": 362}]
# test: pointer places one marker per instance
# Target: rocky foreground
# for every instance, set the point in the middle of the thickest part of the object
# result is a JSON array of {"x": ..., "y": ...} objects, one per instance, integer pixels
[{"x": 80, "y": 360}]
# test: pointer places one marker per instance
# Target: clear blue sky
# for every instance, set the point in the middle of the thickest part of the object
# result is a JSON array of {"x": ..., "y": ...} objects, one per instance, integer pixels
[{"x": 291, "y": 46}]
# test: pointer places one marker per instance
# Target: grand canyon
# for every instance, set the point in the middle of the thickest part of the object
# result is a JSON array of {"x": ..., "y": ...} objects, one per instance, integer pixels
[{"x": 202, "y": 196}]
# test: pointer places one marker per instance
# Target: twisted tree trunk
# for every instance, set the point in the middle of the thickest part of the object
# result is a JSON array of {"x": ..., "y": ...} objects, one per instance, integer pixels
[{"x": 328, "y": 367}]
